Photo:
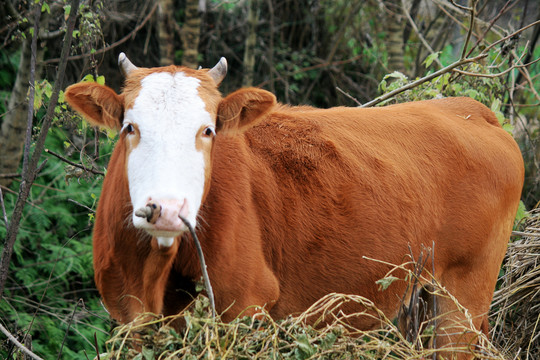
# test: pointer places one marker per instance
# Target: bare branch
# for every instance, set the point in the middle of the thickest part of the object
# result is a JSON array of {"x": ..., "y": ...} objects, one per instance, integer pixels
[
  {"x": 349, "y": 96},
  {"x": 113, "y": 45},
  {"x": 492, "y": 76},
  {"x": 510, "y": 36},
  {"x": 449, "y": 68},
  {"x": 418, "y": 33},
  {"x": 424, "y": 79},
  {"x": 491, "y": 23},
  {"x": 460, "y": 6},
  {"x": 92, "y": 170},
  {"x": 3, "y": 208},
  {"x": 82, "y": 205},
  {"x": 9, "y": 176},
  {"x": 472, "y": 17},
  {"x": 31, "y": 89},
  {"x": 18, "y": 344},
  {"x": 27, "y": 201}
]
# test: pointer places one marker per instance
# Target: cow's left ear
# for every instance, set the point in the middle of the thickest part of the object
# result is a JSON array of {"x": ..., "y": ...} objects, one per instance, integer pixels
[{"x": 243, "y": 108}]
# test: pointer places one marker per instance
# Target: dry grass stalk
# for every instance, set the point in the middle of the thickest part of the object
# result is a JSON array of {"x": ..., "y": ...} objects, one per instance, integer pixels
[{"x": 516, "y": 304}]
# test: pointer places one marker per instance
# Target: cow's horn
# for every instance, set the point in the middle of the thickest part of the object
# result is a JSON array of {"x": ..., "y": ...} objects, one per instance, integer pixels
[
  {"x": 125, "y": 65},
  {"x": 219, "y": 71}
]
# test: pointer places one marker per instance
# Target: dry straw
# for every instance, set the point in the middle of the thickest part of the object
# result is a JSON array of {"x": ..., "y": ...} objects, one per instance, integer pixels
[
  {"x": 261, "y": 337},
  {"x": 516, "y": 304}
]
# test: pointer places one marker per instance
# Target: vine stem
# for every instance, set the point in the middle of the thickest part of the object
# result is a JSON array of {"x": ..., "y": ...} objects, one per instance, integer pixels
[{"x": 207, "y": 284}]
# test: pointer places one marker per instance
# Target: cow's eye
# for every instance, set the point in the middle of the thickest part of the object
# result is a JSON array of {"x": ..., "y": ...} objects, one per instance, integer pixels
[
  {"x": 128, "y": 128},
  {"x": 209, "y": 131}
]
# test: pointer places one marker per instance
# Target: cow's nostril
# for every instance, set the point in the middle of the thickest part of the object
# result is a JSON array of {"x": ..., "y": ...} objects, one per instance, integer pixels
[
  {"x": 144, "y": 212},
  {"x": 150, "y": 212}
]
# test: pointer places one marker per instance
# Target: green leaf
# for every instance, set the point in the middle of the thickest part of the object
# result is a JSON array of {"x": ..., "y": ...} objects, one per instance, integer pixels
[
  {"x": 328, "y": 341},
  {"x": 385, "y": 282},
  {"x": 521, "y": 214},
  {"x": 431, "y": 57},
  {"x": 88, "y": 78},
  {"x": 509, "y": 128},
  {"x": 67, "y": 10},
  {"x": 304, "y": 348},
  {"x": 47, "y": 89},
  {"x": 100, "y": 80},
  {"x": 45, "y": 7},
  {"x": 148, "y": 353},
  {"x": 396, "y": 75},
  {"x": 496, "y": 105}
]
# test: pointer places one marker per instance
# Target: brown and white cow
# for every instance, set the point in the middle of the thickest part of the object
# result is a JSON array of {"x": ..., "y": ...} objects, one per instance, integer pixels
[{"x": 291, "y": 202}]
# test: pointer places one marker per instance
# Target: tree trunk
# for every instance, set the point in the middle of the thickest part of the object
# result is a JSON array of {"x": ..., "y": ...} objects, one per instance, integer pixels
[
  {"x": 191, "y": 34},
  {"x": 13, "y": 131},
  {"x": 395, "y": 26},
  {"x": 251, "y": 39},
  {"x": 166, "y": 32}
]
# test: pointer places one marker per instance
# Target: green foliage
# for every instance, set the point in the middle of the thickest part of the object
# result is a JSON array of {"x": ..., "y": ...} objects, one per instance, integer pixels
[
  {"x": 489, "y": 91},
  {"x": 50, "y": 292},
  {"x": 521, "y": 215},
  {"x": 51, "y": 270}
]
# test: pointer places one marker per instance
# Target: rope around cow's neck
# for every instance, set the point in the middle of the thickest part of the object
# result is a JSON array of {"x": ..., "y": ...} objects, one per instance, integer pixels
[{"x": 207, "y": 284}]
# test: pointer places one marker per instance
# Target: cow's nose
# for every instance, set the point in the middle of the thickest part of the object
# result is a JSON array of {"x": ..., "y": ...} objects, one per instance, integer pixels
[
  {"x": 150, "y": 212},
  {"x": 164, "y": 214}
]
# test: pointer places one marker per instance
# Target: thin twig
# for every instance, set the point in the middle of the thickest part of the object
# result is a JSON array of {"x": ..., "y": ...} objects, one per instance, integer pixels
[
  {"x": 3, "y": 208},
  {"x": 27, "y": 201},
  {"x": 472, "y": 11},
  {"x": 18, "y": 344},
  {"x": 207, "y": 284},
  {"x": 491, "y": 23},
  {"x": 349, "y": 96},
  {"x": 69, "y": 325},
  {"x": 92, "y": 170},
  {"x": 96, "y": 345},
  {"x": 9, "y": 176},
  {"x": 113, "y": 45},
  {"x": 492, "y": 76},
  {"x": 510, "y": 36},
  {"x": 460, "y": 6},
  {"x": 418, "y": 33},
  {"x": 82, "y": 205}
]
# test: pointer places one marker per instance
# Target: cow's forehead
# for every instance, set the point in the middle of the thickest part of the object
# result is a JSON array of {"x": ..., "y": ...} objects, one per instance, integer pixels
[
  {"x": 166, "y": 85},
  {"x": 170, "y": 96}
]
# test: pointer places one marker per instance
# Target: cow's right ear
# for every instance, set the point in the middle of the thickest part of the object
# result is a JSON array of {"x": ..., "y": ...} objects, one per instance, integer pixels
[
  {"x": 99, "y": 104},
  {"x": 243, "y": 108}
]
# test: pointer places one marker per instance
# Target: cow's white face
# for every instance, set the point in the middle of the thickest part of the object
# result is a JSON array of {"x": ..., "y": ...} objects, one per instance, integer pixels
[{"x": 167, "y": 130}]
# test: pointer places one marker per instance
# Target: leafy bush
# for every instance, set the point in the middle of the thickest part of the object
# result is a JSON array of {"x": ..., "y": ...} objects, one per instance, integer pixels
[{"x": 50, "y": 293}]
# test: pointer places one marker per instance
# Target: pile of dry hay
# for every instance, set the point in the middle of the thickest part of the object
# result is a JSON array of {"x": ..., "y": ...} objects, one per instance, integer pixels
[
  {"x": 516, "y": 304},
  {"x": 261, "y": 337}
]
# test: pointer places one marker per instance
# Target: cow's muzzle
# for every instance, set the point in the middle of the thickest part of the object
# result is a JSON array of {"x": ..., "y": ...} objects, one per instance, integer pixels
[{"x": 163, "y": 216}]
